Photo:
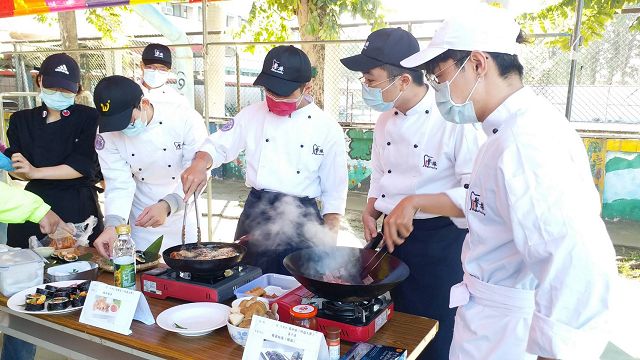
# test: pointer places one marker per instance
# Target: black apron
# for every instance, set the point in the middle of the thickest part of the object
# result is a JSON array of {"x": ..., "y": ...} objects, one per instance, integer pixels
[
  {"x": 275, "y": 224},
  {"x": 72, "y": 204},
  {"x": 432, "y": 252}
]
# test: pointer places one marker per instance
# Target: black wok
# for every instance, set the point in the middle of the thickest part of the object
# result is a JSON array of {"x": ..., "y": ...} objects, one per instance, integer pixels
[
  {"x": 204, "y": 267},
  {"x": 310, "y": 266}
]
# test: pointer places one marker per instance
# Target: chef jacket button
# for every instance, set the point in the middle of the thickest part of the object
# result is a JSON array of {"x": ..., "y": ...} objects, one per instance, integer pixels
[
  {"x": 169, "y": 165},
  {"x": 165, "y": 149},
  {"x": 383, "y": 195},
  {"x": 160, "y": 122},
  {"x": 267, "y": 140},
  {"x": 309, "y": 117},
  {"x": 426, "y": 111},
  {"x": 301, "y": 146},
  {"x": 388, "y": 171},
  {"x": 173, "y": 178},
  {"x": 395, "y": 113},
  {"x": 142, "y": 179},
  {"x": 495, "y": 131},
  {"x": 388, "y": 143},
  {"x": 298, "y": 172},
  {"x": 466, "y": 186},
  {"x": 133, "y": 154},
  {"x": 139, "y": 169},
  {"x": 415, "y": 146}
]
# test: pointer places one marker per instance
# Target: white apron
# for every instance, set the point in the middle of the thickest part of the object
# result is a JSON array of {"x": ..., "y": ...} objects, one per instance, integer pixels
[{"x": 492, "y": 322}]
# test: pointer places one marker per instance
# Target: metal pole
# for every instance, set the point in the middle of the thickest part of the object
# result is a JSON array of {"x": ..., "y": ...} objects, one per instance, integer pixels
[
  {"x": 575, "y": 46},
  {"x": 205, "y": 52},
  {"x": 237, "y": 81}
]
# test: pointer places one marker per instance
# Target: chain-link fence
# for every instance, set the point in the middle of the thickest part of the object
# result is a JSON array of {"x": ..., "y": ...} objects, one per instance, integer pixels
[{"x": 607, "y": 81}]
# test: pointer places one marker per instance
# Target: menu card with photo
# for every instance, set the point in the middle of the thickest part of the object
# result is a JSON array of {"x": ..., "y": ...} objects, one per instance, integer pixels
[
  {"x": 271, "y": 339},
  {"x": 114, "y": 308}
]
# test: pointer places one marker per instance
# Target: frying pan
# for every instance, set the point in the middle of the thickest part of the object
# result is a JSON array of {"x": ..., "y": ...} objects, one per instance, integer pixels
[
  {"x": 309, "y": 266},
  {"x": 205, "y": 267}
]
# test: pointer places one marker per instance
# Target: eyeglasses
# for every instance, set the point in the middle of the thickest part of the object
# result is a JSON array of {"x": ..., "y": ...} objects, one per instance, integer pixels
[
  {"x": 68, "y": 95},
  {"x": 432, "y": 79}
]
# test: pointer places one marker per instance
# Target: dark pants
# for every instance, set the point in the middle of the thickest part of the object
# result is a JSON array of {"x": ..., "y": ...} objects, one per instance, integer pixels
[
  {"x": 16, "y": 349},
  {"x": 72, "y": 204},
  {"x": 277, "y": 225},
  {"x": 432, "y": 252}
]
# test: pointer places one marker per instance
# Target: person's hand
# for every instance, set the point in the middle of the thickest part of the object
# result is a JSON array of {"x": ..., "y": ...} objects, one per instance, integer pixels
[
  {"x": 104, "y": 242},
  {"x": 154, "y": 215},
  {"x": 398, "y": 225},
  {"x": 194, "y": 178},
  {"x": 370, "y": 226},
  {"x": 51, "y": 222},
  {"x": 23, "y": 167}
]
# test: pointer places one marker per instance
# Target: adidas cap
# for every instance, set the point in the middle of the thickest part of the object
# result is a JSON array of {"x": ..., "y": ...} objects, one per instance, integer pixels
[{"x": 60, "y": 71}]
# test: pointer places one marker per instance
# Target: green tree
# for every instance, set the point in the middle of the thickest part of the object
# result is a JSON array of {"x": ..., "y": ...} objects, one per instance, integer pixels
[
  {"x": 317, "y": 20},
  {"x": 561, "y": 16}
]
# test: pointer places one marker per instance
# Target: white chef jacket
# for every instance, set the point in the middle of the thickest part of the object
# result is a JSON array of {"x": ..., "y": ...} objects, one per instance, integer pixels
[
  {"x": 141, "y": 170},
  {"x": 421, "y": 153},
  {"x": 534, "y": 224},
  {"x": 302, "y": 154},
  {"x": 164, "y": 94}
]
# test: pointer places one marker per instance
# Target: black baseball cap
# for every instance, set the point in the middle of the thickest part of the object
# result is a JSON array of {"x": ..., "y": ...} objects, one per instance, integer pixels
[
  {"x": 156, "y": 54},
  {"x": 115, "y": 98},
  {"x": 285, "y": 69},
  {"x": 60, "y": 71},
  {"x": 385, "y": 46}
]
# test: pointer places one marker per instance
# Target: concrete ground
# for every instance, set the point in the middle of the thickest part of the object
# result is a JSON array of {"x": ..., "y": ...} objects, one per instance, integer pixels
[{"x": 624, "y": 345}]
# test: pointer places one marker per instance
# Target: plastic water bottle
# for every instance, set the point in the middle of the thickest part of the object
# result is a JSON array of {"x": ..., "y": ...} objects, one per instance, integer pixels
[{"x": 124, "y": 259}]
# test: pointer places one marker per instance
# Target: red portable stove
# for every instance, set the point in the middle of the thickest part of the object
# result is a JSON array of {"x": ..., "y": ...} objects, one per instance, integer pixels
[
  {"x": 357, "y": 321},
  {"x": 162, "y": 283}
]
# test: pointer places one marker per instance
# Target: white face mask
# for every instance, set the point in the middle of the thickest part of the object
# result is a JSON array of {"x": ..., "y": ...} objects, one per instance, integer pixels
[
  {"x": 456, "y": 113},
  {"x": 155, "y": 78}
]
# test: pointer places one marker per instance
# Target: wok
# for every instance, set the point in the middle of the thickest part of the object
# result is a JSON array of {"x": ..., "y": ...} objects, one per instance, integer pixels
[
  {"x": 309, "y": 266},
  {"x": 203, "y": 267}
]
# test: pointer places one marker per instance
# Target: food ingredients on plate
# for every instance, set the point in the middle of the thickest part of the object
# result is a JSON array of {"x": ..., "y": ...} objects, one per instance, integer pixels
[
  {"x": 58, "y": 303},
  {"x": 55, "y": 298},
  {"x": 204, "y": 253},
  {"x": 241, "y": 316},
  {"x": 261, "y": 292},
  {"x": 35, "y": 302}
]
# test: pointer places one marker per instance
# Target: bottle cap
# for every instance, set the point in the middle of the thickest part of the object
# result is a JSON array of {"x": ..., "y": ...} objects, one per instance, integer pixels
[
  {"x": 304, "y": 311},
  {"x": 123, "y": 229}
]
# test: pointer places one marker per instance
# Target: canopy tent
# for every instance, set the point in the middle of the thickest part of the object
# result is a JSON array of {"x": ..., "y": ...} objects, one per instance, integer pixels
[{"x": 9, "y": 8}]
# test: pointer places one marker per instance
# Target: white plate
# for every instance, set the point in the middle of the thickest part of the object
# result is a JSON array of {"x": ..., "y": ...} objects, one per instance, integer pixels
[
  {"x": 194, "y": 319},
  {"x": 17, "y": 301}
]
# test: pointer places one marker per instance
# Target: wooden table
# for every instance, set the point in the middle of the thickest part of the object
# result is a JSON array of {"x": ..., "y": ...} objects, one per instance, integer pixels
[{"x": 66, "y": 335}]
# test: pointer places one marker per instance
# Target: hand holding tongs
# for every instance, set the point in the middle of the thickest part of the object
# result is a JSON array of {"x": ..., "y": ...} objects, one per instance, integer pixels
[
  {"x": 375, "y": 259},
  {"x": 184, "y": 221}
]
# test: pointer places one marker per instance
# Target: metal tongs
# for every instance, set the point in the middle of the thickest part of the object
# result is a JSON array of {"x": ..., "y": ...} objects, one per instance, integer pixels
[
  {"x": 184, "y": 221},
  {"x": 375, "y": 259}
]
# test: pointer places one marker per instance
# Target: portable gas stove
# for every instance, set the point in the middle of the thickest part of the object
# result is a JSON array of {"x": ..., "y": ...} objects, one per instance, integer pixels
[
  {"x": 357, "y": 321},
  {"x": 162, "y": 283}
]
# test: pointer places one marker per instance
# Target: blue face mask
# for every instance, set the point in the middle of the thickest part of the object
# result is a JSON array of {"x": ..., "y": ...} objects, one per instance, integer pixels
[
  {"x": 57, "y": 100},
  {"x": 455, "y": 113},
  {"x": 373, "y": 97},
  {"x": 136, "y": 128}
]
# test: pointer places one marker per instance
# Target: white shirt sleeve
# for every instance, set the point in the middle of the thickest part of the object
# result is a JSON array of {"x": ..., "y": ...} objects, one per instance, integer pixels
[
  {"x": 120, "y": 186},
  {"x": 334, "y": 179},
  {"x": 376, "y": 161},
  {"x": 226, "y": 144},
  {"x": 467, "y": 143},
  {"x": 554, "y": 209}
]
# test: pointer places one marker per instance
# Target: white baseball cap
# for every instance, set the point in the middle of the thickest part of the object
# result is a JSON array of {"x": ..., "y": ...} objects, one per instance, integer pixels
[{"x": 478, "y": 27}]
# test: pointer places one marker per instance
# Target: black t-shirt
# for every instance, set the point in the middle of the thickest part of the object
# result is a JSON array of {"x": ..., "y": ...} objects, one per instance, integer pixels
[{"x": 68, "y": 141}]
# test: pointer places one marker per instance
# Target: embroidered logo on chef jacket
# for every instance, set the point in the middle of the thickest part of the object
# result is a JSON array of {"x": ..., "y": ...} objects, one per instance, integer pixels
[
  {"x": 317, "y": 150},
  {"x": 99, "y": 142},
  {"x": 429, "y": 162},
  {"x": 227, "y": 126},
  {"x": 159, "y": 54},
  {"x": 178, "y": 145},
  {"x": 62, "y": 68},
  {"x": 476, "y": 204},
  {"x": 277, "y": 68}
]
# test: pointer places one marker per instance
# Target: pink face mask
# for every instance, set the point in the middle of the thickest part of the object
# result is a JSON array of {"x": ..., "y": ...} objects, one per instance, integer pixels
[{"x": 282, "y": 107}]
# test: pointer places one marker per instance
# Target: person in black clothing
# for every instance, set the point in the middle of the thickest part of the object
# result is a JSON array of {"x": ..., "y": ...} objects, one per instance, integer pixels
[{"x": 52, "y": 147}]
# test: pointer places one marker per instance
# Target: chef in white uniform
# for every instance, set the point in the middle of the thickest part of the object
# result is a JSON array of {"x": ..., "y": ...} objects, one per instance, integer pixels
[
  {"x": 294, "y": 153},
  {"x": 416, "y": 156},
  {"x": 538, "y": 261},
  {"x": 143, "y": 147},
  {"x": 156, "y": 70}
]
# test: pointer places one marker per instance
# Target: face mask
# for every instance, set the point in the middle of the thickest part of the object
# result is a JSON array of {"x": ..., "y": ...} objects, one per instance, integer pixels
[
  {"x": 57, "y": 100},
  {"x": 456, "y": 113},
  {"x": 137, "y": 127},
  {"x": 282, "y": 107},
  {"x": 155, "y": 78},
  {"x": 373, "y": 98}
]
